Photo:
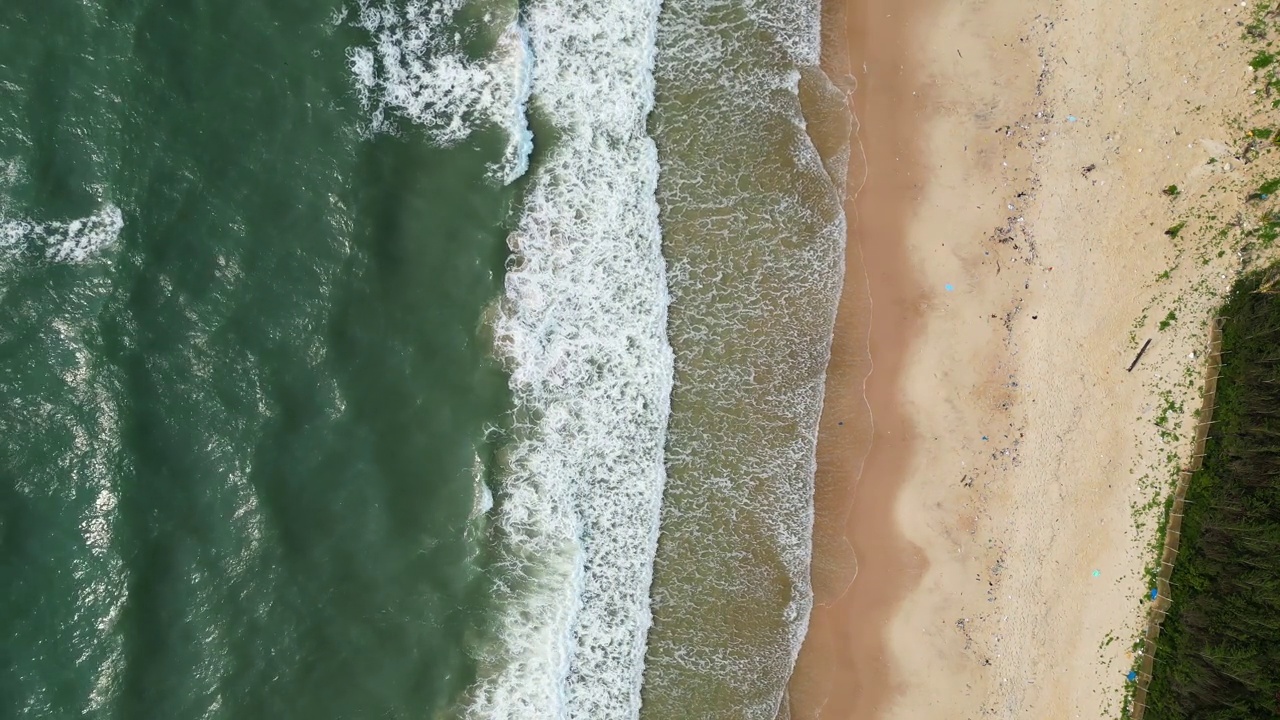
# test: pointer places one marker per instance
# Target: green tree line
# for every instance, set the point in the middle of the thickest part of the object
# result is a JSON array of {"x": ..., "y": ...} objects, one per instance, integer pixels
[{"x": 1218, "y": 656}]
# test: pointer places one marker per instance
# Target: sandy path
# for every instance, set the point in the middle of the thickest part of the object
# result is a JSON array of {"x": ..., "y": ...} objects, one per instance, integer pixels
[{"x": 1011, "y": 446}]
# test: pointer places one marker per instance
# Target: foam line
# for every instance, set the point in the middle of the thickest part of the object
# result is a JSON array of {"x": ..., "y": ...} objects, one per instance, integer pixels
[{"x": 582, "y": 329}]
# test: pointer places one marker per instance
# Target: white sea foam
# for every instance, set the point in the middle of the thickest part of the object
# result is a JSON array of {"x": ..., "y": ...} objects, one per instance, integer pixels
[
  {"x": 69, "y": 241},
  {"x": 416, "y": 67},
  {"x": 582, "y": 329},
  {"x": 482, "y": 502}
]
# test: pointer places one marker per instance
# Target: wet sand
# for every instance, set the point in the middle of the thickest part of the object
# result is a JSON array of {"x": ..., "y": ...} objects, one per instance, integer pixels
[{"x": 833, "y": 668}]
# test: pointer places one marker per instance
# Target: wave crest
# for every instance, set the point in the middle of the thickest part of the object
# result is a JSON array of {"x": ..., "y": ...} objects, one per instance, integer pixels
[
  {"x": 582, "y": 329},
  {"x": 68, "y": 241},
  {"x": 417, "y": 67}
]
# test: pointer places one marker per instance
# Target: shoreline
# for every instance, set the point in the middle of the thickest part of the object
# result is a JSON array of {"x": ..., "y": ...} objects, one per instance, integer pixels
[{"x": 878, "y": 315}]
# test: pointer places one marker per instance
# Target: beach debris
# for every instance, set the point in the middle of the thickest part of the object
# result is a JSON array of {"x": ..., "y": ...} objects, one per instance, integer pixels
[
  {"x": 1088, "y": 169},
  {"x": 984, "y": 438},
  {"x": 949, "y": 287},
  {"x": 1133, "y": 675},
  {"x": 1071, "y": 118},
  {"x": 1096, "y": 573},
  {"x": 1154, "y": 593},
  {"x": 1134, "y": 364}
]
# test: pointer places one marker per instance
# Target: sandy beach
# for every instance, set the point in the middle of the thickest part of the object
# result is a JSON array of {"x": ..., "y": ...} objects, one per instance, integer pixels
[{"x": 1012, "y": 229}]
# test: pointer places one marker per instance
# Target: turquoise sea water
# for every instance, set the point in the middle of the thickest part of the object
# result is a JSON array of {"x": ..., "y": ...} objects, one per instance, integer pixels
[{"x": 408, "y": 359}]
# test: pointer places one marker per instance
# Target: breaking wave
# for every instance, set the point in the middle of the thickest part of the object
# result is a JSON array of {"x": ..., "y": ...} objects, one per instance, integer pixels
[
  {"x": 417, "y": 67},
  {"x": 69, "y": 241},
  {"x": 582, "y": 329}
]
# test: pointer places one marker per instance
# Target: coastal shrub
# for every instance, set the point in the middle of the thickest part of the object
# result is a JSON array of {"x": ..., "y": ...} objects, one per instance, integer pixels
[
  {"x": 1261, "y": 60},
  {"x": 1268, "y": 234},
  {"x": 1218, "y": 654},
  {"x": 1171, "y": 191}
]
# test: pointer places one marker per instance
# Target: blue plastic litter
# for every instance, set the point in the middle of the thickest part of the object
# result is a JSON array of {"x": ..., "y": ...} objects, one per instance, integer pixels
[
  {"x": 1071, "y": 118},
  {"x": 1154, "y": 591},
  {"x": 984, "y": 438},
  {"x": 1133, "y": 675},
  {"x": 950, "y": 287}
]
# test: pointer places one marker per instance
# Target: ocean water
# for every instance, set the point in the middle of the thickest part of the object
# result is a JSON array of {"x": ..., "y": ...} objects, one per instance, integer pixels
[{"x": 411, "y": 359}]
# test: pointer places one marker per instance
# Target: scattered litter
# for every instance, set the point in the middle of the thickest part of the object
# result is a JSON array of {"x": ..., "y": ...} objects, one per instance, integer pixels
[
  {"x": 1096, "y": 573},
  {"x": 1154, "y": 592},
  {"x": 984, "y": 438},
  {"x": 1133, "y": 675},
  {"x": 950, "y": 287},
  {"x": 1071, "y": 118}
]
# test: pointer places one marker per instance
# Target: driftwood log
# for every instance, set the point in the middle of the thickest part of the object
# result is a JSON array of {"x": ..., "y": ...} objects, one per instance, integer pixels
[{"x": 1134, "y": 364}]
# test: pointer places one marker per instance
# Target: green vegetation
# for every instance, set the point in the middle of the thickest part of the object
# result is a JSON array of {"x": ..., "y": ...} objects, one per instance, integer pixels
[
  {"x": 1261, "y": 60},
  {"x": 1168, "y": 320},
  {"x": 1267, "y": 234},
  {"x": 1173, "y": 231},
  {"x": 1167, "y": 408},
  {"x": 1171, "y": 191},
  {"x": 1219, "y": 648}
]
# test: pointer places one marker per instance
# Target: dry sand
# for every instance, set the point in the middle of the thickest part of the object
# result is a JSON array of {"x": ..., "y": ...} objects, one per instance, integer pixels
[{"x": 1015, "y": 153}]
